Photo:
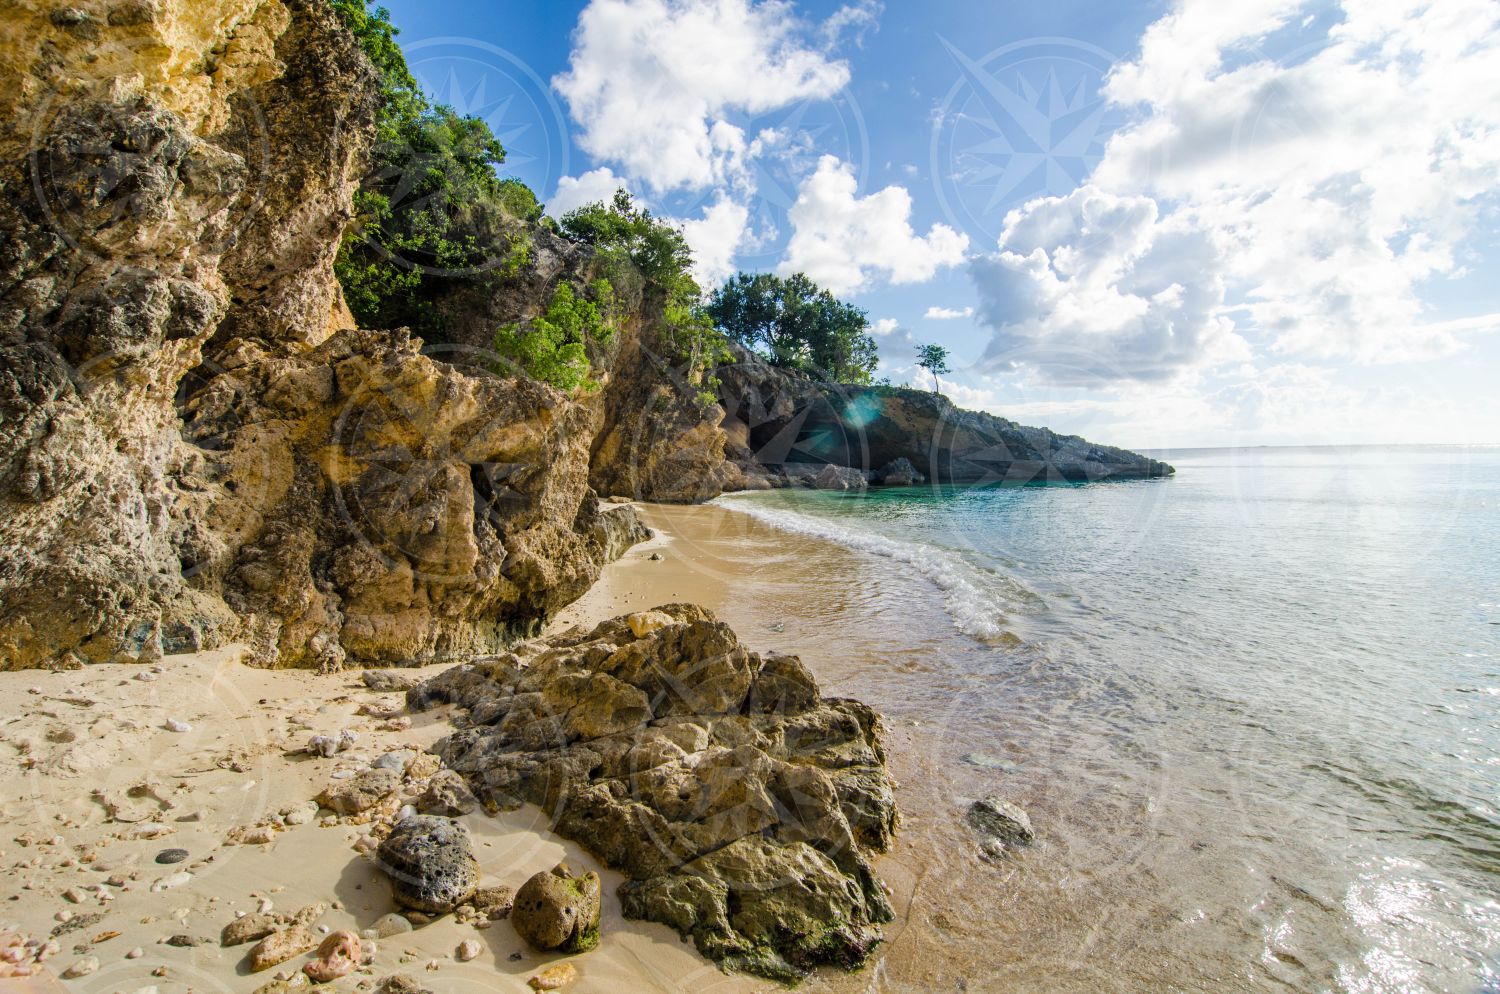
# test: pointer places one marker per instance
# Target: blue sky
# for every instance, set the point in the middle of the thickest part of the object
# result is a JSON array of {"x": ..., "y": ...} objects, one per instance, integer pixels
[{"x": 1157, "y": 224}]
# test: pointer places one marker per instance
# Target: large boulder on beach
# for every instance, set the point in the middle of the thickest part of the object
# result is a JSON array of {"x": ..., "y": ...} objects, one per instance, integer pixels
[
  {"x": 558, "y": 911},
  {"x": 900, "y": 473},
  {"x": 741, "y": 805},
  {"x": 430, "y": 863}
]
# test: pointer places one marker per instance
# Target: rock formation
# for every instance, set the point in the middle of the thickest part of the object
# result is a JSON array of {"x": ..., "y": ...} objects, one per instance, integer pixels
[
  {"x": 556, "y": 910},
  {"x": 430, "y": 863},
  {"x": 783, "y": 429},
  {"x": 190, "y": 452},
  {"x": 742, "y": 806}
]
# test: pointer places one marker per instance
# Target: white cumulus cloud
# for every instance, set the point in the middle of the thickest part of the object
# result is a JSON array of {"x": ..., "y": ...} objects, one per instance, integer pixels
[
  {"x": 654, "y": 83},
  {"x": 844, "y": 241},
  {"x": 715, "y": 238},
  {"x": 1094, "y": 287},
  {"x": 948, "y": 313},
  {"x": 1315, "y": 196}
]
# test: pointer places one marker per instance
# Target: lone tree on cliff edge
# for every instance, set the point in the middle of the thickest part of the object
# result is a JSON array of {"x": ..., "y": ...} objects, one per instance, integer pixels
[{"x": 934, "y": 359}]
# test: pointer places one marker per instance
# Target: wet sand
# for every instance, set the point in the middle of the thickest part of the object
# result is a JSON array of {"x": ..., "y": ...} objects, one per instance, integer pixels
[{"x": 835, "y": 608}]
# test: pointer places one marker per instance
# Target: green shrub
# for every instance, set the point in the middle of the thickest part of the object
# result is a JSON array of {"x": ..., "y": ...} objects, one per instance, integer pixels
[{"x": 555, "y": 348}]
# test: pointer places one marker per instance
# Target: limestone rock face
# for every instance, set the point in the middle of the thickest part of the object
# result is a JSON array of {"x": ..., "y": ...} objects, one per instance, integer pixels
[
  {"x": 190, "y": 451},
  {"x": 742, "y": 805},
  {"x": 661, "y": 438}
]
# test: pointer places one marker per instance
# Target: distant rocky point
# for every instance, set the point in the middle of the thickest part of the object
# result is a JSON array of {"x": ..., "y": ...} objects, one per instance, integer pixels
[{"x": 784, "y": 429}]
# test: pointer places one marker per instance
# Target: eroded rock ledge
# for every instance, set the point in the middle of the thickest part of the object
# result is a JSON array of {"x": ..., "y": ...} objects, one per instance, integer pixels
[{"x": 742, "y": 805}]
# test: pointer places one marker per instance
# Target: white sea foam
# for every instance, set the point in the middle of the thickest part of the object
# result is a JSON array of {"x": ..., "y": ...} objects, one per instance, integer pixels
[{"x": 972, "y": 596}]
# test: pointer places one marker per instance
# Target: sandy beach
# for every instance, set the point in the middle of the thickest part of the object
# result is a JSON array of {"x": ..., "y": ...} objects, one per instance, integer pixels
[{"x": 97, "y": 785}]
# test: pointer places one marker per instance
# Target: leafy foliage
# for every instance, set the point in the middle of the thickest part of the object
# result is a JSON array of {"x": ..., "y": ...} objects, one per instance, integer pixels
[
  {"x": 658, "y": 250},
  {"x": 631, "y": 243},
  {"x": 555, "y": 348},
  {"x": 432, "y": 208},
  {"x": 795, "y": 324},
  {"x": 934, "y": 359}
]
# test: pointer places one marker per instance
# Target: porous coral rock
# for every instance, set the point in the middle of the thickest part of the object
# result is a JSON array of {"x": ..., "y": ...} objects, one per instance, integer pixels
[
  {"x": 556, "y": 910},
  {"x": 431, "y": 865},
  {"x": 741, "y": 805}
]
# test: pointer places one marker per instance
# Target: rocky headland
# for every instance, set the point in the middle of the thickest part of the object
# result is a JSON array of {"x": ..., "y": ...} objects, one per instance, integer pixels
[{"x": 198, "y": 447}]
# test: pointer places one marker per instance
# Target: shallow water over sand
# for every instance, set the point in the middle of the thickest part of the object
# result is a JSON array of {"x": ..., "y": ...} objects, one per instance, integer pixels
[{"x": 1252, "y": 711}]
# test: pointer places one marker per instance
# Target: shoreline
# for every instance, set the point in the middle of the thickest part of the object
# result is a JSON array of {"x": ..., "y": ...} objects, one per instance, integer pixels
[
  {"x": 84, "y": 739},
  {"x": 785, "y": 591}
]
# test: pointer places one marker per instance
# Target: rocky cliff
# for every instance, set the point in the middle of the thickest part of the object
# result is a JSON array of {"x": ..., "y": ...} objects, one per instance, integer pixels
[
  {"x": 784, "y": 429},
  {"x": 193, "y": 447},
  {"x": 196, "y": 444}
]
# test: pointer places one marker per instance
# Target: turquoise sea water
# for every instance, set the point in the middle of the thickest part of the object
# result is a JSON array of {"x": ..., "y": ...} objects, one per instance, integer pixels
[{"x": 1254, "y": 710}]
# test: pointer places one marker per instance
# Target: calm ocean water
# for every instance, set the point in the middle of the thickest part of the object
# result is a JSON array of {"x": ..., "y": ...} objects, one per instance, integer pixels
[{"x": 1254, "y": 710}]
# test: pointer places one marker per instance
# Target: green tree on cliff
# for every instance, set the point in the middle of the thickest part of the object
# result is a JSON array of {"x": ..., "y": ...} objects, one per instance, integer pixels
[
  {"x": 658, "y": 250},
  {"x": 794, "y": 323},
  {"x": 432, "y": 207},
  {"x": 934, "y": 359}
]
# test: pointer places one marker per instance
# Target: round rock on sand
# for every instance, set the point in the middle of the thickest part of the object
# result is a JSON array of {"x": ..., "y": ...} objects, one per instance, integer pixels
[
  {"x": 556, "y": 910},
  {"x": 431, "y": 864}
]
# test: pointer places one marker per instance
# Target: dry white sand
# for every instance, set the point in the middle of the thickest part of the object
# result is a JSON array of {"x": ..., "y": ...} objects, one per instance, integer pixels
[{"x": 73, "y": 743}]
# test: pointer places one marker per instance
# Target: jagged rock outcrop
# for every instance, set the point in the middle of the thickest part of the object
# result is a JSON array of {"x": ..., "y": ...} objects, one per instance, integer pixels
[
  {"x": 784, "y": 428},
  {"x": 741, "y": 804},
  {"x": 188, "y": 453},
  {"x": 662, "y": 440}
]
